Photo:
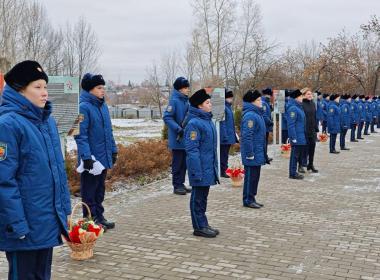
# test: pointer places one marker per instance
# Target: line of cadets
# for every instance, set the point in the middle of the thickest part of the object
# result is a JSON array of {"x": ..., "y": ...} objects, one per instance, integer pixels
[{"x": 192, "y": 138}]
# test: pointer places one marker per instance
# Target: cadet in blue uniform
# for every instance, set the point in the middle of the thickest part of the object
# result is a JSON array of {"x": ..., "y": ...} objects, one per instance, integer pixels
[
  {"x": 361, "y": 113},
  {"x": 253, "y": 143},
  {"x": 333, "y": 121},
  {"x": 95, "y": 139},
  {"x": 296, "y": 129},
  {"x": 267, "y": 94},
  {"x": 284, "y": 122},
  {"x": 202, "y": 160},
  {"x": 325, "y": 103},
  {"x": 174, "y": 118},
  {"x": 320, "y": 115},
  {"x": 368, "y": 115},
  {"x": 227, "y": 133},
  {"x": 34, "y": 196},
  {"x": 374, "y": 112},
  {"x": 354, "y": 116},
  {"x": 345, "y": 120}
]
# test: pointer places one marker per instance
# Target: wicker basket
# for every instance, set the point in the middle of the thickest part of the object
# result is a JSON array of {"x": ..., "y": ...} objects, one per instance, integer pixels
[
  {"x": 80, "y": 251},
  {"x": 237, "y": 182},
  {"x": 286, "y": 154}
]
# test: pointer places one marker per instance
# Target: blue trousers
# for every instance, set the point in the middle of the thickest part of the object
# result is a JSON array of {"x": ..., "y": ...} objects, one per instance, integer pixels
[
  {"x": 295, "y": 158},
  {"x": 342, "y": 139},
  {"x": 92, "y": 189},
  {"x": 224, "y": 151},
  {"x": 332, "y": 141},
  {"x": 198, "y": 206},
  {"x": 374, "y": 121},
  {"x": 251, "y": 183},
  {"x": 360, "y": 129},
  {"x": 324, "y": 126},
  {"x": 178, "y": 168},
  {"x": 30, "y": 265},
  {"x": 378, "y": 121},
  {"x": 284, "y": 136},
  {"x": 366, "y": 127},
  {"x": 353, "y": 129}
]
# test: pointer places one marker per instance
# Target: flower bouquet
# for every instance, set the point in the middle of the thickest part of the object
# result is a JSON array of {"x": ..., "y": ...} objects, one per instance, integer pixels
[
  {"x": 83, "y": 235},
  {"x": 285, "y": 150},
  {"x": 236, "y": 175},
  {"x": 323, "y": 137}
]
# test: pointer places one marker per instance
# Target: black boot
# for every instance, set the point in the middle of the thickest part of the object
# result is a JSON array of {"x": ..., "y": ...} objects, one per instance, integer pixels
[
  {"x": 296, "y": 177},
  {"x": 106, "y": 224},
  {"x": 180, "y": 191},
  {"x": 312, "y": 169},
  {"x": 205, "y": 232},
  {"x": 301, "y": 169},
  {"x": 214, "y": 230}
]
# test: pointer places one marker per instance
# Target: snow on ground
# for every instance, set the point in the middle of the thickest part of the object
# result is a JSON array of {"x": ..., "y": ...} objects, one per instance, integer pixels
[{"x": 128, "y": 131}]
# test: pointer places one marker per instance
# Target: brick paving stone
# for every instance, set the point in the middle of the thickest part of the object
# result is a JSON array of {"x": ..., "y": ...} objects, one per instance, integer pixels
[{"x": 325, "y": 227}]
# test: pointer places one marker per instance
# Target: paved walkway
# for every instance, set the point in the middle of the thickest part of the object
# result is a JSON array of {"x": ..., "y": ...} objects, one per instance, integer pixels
[{"x": 325, "y": 227}]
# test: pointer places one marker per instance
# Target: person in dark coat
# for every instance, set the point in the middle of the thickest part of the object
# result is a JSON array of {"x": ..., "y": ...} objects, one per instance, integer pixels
[
  {"x": 227, "y": 133},
  {"x": 174, "y": 118},
  {"x": 296, "y": 129},
  {"x": 34, "y": 195},
  {"x": 253, "y": 141},
  {"x": 354, "y": 116},
  {"x": 95, "y": 140},
  {"x": 333, "y": 121},
  {"x": 312, "y": 129},
  {"x": 267, "y": 94},
  {"x": 202, "y": 160},
  {"x": 361, "y": 113},
  {"x": 344, "y": 121}
]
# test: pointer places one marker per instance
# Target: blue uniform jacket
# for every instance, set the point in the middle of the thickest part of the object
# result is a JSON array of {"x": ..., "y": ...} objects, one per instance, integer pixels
[
  {"x": 284, "y": 121},
  {"x": 253, "y": 137},
  {"x": 34, "y": 196},
  {"x": 361, "y": 110},
  {"x": 96, "y": 137},
  {"x": 345, "y": 119},
  {"x": 174, "y": 117},
  {"x": 354, "y": 113},
  {"x": 320, "y": 115},
  {"x": 201, "y": 148},
  {"x": 333, "y": 118},
  {"x": 296, "y": 123},
  {"x": 368, "y": 112},
  {"x": 378, "y": 108},
  {"x": 325, "y": 105},
  {"x": 227, "y": 127},
  {"x": 267, "y": 114},
  {"x": 374, "y": 109}
]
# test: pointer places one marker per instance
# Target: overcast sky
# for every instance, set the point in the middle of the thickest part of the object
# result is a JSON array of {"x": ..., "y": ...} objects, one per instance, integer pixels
[{"x": 133, "y": 33}]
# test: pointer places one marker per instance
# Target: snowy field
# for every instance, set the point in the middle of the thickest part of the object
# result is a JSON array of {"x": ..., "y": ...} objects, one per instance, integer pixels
[{"x": 128, "y": 131}]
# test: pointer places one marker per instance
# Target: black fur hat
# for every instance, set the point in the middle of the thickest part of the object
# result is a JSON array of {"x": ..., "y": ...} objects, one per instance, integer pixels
[
  {"x": 295, "y": 93},
  {"x": 181, "y": 83},
  {"x": 23, "y": 73},
  {"x": 251, "y": 95},
  {"x": 199, "y": 97},
  {"x": 229, "y": 93},
  {"x": 267, "y": 91},
  {"x": 90, "y": 81}
]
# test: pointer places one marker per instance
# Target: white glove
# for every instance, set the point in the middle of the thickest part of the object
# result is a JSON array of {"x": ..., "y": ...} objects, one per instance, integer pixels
[
  {"x": 250, "y": 158},
  {"x": 294, "y": 141}
]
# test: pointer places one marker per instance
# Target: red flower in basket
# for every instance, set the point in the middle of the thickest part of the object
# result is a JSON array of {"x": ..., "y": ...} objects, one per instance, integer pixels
[
  {"x": 285, "y": 148},
  {"x": 235, "y": 172},
  {"x": 85, "y": 231},
  {"x": 323, "y": 137}
]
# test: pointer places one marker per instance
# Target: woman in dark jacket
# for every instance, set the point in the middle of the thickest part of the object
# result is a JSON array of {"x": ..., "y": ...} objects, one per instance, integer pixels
[
  {"x": 34, "y": 196},
  {"x": 311, "y": 129}
]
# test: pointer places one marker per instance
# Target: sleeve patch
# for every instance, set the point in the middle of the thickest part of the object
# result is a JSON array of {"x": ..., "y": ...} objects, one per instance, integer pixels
[
  {"x": 169, "y": 108},
  {"x": 332, "y": 110},
  {"x": 3, "y": 151},
  {"x": 193, "y": 135},
  {"x": 250, "y": 123},
  {"x": 292, "y": 115}
]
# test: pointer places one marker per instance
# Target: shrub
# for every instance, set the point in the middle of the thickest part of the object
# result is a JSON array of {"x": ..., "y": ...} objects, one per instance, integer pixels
[
  {"x": 237, "y": 117},
  {"x": 164, "y": 133},
  {"x": 72, "y": 175}
]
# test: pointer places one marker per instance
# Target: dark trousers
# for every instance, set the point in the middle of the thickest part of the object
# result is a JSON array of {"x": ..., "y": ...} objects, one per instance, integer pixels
[
  {"x": 178, "y": 168},
  {"x": 342, "y": 139},
  {"x": 378, "y": 121},
  {"x": 332, "y": 141},
  {"x": 295, "y": 158},
  {"x": 374, "y": 121},
  {"x": 353, "y": 130},
  {"x": 360, "y": 129},
  {"x": 309, "y": 151},
  {"x": 324, "y": 126},
  {"x": 198, "y": 206},
  {"x": 251, "y": 183},
  {"x": 92, "y": 189},
  {"x": 284, "y": 136},
  {"x": 30, "y": 265},
  {"x": 224, "y": 152},
  {"x": 366, "y": 127},
  {"x": 266, "y": 145}
]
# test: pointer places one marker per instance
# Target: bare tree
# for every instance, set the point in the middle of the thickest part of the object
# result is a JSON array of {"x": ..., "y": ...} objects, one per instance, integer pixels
[
  {"x": 169, "y": 67},
  {"x": 153, "y": 84}
]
